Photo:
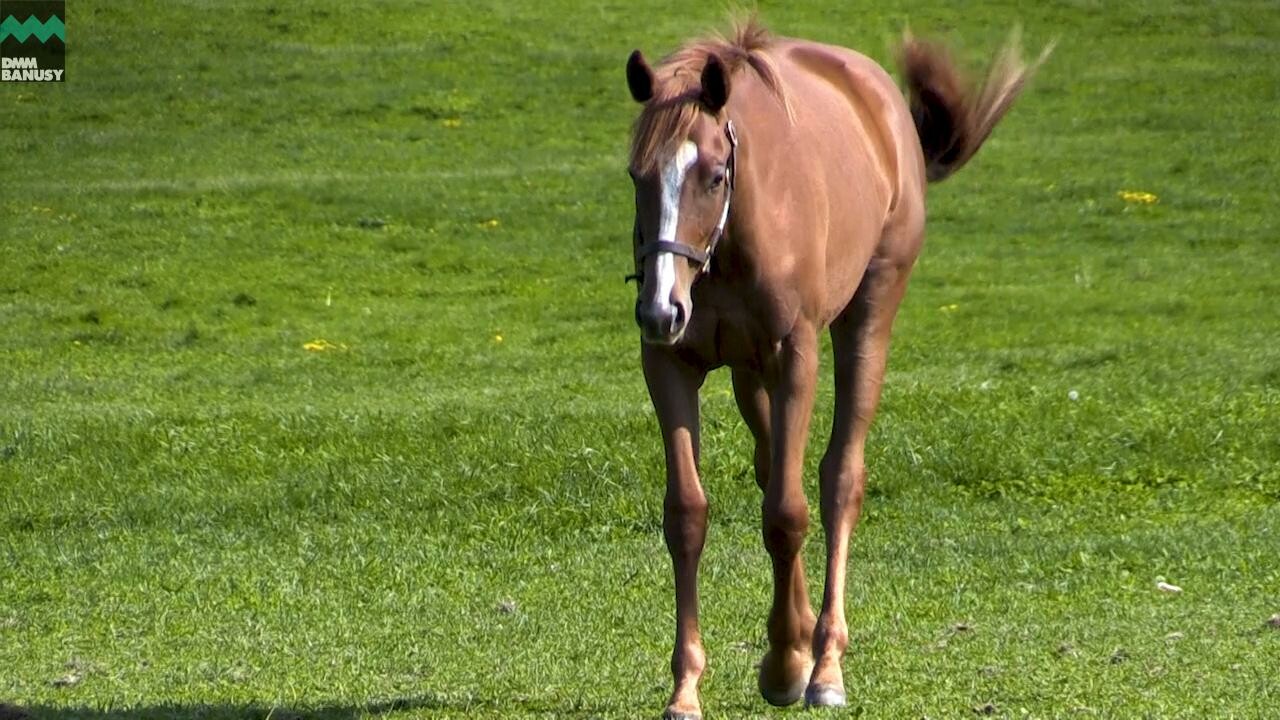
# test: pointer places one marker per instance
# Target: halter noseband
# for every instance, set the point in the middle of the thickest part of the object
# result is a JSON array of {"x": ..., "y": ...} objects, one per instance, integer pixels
[{"x": 700, "y": 258}]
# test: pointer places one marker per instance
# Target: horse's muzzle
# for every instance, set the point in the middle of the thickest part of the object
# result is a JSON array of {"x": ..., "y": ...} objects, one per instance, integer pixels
[{"x": 662, "y": 323}]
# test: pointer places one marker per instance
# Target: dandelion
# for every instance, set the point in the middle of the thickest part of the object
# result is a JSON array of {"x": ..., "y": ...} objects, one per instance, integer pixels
[
  {"x": 1138, "y": 197},
  {"x": 321, "y": 345},
  {"x": 497, "y": 338},
  {"x": 490, "y": 223},
  {"x": 452, "y": 122},
  {"x": 949, "y": 308}
]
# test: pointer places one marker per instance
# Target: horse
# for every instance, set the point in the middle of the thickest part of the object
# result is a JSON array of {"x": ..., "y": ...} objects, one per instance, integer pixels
[{"x": 780, "y": 192}]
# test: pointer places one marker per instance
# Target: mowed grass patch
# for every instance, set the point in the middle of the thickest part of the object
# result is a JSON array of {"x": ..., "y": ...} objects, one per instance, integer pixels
[{"x": 451, "y": 506}]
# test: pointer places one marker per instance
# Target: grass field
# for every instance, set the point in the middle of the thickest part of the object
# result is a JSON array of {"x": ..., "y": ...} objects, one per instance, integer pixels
[{"x": 451, "y": 505}]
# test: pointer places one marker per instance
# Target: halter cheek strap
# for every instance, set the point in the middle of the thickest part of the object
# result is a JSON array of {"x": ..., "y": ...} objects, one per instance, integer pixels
[
  {"x": 700, "y": 258},
  {"x": 730, "y": 171}
]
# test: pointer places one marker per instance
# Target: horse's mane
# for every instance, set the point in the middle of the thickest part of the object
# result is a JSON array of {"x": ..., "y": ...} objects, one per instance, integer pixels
[{"x": 668, "y": 116}]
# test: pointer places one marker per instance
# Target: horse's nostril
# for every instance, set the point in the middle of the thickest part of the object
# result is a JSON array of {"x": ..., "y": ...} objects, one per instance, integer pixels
[
  {"x": 681, "y": 315},
  {"x": 662, "y": 322}
]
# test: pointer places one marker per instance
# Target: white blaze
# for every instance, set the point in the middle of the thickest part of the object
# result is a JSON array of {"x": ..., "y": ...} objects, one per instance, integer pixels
[{"x": 672, "y": 183}]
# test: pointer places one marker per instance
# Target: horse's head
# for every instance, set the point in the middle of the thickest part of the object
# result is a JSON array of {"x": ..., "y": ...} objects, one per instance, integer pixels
[{"x": 682, "y": 165}]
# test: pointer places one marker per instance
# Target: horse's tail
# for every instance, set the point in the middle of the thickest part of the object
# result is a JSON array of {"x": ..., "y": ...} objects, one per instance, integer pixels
[{"x": 953, "y": 116}]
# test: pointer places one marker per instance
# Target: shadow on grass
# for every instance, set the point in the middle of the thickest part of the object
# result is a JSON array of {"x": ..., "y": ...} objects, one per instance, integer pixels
[{"x": 440, "y": 704}]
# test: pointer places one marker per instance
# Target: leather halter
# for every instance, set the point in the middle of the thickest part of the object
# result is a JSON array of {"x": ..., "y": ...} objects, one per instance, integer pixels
[{"x": 701, "y": 258}]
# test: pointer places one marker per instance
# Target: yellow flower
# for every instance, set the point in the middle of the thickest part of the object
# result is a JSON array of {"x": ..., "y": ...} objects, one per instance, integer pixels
[
  {"x": 491, "y": 223},
  {"x": 320, "y": 345},
  {"x": 949, "y": 308},
  {"x": 451, "y": 122},
  {"x": 1137, "y": 196},
  {"x": 497, "y": 338}
]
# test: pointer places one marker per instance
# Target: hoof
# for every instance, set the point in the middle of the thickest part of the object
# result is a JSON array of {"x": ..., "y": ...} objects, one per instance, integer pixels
[
  {"x": 787, "y": 694},
  {"x": 670, "y": 714},
  {"x": 824, "y": 696},
  {"x": 782, "y": 698}
]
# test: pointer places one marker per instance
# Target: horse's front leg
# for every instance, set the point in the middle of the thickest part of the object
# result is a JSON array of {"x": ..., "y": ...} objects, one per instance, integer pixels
[
  {"x": 673, "y": 387},
  {"x": 785, "y": 670},
  {"x": 860, "y": 344}
]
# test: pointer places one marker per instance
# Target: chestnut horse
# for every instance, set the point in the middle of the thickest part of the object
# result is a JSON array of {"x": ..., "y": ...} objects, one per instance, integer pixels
[{"x": 779, "y": 188}]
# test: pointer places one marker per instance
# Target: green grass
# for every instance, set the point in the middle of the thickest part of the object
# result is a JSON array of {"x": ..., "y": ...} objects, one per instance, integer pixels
[{"x": 456, "y": 512}]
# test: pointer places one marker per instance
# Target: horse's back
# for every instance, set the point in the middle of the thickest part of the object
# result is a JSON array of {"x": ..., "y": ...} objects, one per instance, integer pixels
[
  {"x": 862, "y": 85},
  {"x": 849, "y": 106}
]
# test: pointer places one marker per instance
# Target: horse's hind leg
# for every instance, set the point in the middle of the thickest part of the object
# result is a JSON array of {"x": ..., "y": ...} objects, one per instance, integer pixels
[
  {"x": 860, "y": 343},
  {"x": 753, "y": 403},
  {"x": 782, "y": 674},
  {"x": 673, "y": 387},
  {"x": 780, "y": 422}
]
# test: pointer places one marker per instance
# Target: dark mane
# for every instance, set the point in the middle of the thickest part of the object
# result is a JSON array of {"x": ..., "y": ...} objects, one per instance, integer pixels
[{"x": 667, "y": 118}]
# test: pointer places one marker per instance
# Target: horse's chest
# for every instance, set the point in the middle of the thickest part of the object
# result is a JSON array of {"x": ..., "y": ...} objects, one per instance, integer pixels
[
  {"x": 732, "y": 334},
  {"x": 736, "y": 343}
]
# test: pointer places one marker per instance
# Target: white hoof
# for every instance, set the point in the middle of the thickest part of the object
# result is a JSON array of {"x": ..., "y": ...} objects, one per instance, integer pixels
[{"x": 824, "y": 696}]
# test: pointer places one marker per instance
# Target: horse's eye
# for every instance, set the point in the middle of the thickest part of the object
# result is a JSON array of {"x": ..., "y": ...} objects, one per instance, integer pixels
[{"x": 717, "y": 180}]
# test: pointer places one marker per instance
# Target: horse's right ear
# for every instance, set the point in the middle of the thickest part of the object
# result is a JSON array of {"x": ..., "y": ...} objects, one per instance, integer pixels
[{"x": 639, "y": 77}]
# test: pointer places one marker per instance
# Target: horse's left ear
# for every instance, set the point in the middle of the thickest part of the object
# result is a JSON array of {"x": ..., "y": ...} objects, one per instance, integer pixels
[{"x": 715, "y": 84}]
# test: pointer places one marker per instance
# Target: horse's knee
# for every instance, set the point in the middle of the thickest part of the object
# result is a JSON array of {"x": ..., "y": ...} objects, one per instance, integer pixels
[
  {"x": 684, "y": 521},
  {"x": 785, "y": 525}
]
